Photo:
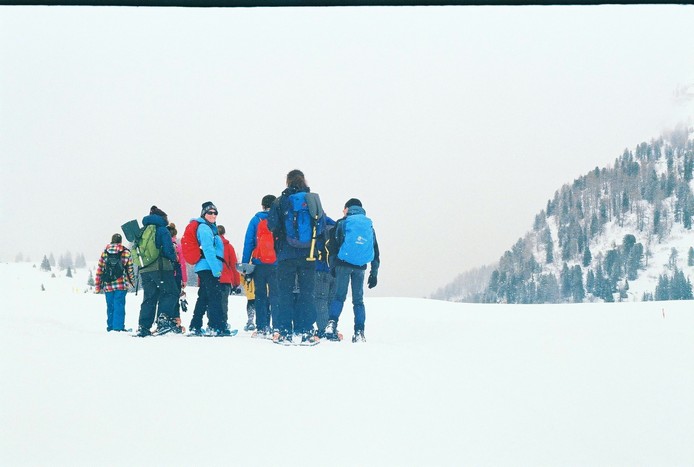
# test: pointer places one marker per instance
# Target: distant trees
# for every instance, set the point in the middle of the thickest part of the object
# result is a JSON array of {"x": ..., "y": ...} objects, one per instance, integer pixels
[{"x": 565, "y": 258}]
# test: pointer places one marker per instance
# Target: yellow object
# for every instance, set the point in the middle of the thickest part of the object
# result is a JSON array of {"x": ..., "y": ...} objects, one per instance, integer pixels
[{"x": 248, "y": 287}]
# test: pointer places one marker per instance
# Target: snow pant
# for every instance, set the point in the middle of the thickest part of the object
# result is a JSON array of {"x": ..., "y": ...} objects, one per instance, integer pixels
[
  {"x": 225, "y": 290},
  {"x": 343, "y": 276},
  {"x": 161, "y": 295},
  {"x": 324, "y": 294},
  {"x": 210, "y": 301},
  {"x": 292, "y": 272},
  {"x": 115, "y": 310},
  {"x": 266, "y": 295}
]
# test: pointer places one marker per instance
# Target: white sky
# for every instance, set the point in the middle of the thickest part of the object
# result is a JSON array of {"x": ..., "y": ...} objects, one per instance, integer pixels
[{"x": 454, "y": 125}]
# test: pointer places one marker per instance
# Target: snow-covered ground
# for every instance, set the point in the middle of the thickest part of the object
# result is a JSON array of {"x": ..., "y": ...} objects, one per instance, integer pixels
[{"x": 437, "y": 383}]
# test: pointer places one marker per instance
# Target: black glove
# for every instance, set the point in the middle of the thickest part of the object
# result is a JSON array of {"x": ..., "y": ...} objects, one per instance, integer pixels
[
  {"x": 248, "y": 278},
  {"x": 373, "y": 280},
  {"x": 237, "y": 290}
]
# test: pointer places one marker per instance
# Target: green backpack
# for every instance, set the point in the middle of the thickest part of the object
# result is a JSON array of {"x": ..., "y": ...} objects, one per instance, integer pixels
[{"x": 144, "y": 250}]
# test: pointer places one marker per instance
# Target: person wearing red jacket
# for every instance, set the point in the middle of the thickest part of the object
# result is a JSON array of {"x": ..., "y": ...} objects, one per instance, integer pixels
[{"x": 230, "y": 279}]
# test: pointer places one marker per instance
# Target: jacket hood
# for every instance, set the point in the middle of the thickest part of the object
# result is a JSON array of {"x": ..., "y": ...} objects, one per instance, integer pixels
[
  {"x": 355, "y": 210},
  {"x": 291, "y": 190},
  {"x": 154, "y": 219}
]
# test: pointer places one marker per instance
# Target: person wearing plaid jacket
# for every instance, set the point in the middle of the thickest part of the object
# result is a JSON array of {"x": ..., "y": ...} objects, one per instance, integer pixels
[{"x": 115, "y": 288}]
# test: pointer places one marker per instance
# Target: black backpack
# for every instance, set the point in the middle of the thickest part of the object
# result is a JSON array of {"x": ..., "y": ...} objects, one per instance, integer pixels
[{"x": 113, "y": 267}]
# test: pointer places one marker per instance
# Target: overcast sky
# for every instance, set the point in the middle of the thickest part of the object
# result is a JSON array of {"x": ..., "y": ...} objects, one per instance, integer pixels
[{"x": 454, "y": 125}]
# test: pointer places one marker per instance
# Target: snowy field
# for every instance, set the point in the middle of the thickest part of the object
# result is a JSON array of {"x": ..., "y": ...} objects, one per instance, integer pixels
[{"x": 437, "y": 384}]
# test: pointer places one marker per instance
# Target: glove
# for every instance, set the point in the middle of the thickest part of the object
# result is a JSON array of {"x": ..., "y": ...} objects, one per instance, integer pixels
[
  {"x": 236, "y": 290},
  {"x": 373, "y": 280},
  {"x": 248, "y": 278}
]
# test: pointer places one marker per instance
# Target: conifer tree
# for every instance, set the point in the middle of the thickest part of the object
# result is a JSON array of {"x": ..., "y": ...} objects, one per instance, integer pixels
[
  {"x": 45, "y": 264},
  {"x": 587, "y": 257}
]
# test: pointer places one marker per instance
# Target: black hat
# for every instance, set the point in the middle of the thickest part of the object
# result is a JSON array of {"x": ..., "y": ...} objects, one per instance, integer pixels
[
  {"x": 353, "y": 202},
  {"x": 268, "y": 200},
  {"x": 208, "y": 206},
  {"x": 157, "y": 211}
]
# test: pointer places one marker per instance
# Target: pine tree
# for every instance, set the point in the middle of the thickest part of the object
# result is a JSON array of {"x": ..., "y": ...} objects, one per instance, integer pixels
[
  {"x": 45, "y": 264},
  {"x": 68, "y": 273},
  {"x": 90, "y": 280},
  {"x": 690, "y": 257},
  {"x": 577, "y": 291},
  {"x": 565, "y": 278},
  {"x": 587, "y": 257},
  {"x": 662, "y": 290}
]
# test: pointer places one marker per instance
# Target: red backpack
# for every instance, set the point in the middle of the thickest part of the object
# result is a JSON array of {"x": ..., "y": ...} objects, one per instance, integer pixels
[
  {"x": 265, "y": 244},
  {"x": 189, "y": 243}
]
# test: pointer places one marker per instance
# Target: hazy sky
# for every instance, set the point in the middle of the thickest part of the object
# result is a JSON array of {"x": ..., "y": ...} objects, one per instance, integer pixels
[{"x": 454, "y": 125}]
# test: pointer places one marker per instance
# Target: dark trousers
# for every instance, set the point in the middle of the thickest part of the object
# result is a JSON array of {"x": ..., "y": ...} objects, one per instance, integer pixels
[
  {"x": 291, "y": 272},
  {"x": 161, "y": 295},
  {"x": 343, "y": 276},
  {"x": 225, "y": 291},
  {"x": 324, "y": 294},
  {"x": 266, "y": 295},
  {"x": 210, "y": 301}
]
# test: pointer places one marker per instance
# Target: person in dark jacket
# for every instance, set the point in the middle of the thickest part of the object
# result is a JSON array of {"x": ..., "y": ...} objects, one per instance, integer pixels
[
  {"x": 295, "y": 266},
  {"x": 158, "y": 282},
  {"x": 355, "y": 247},
  {"x": 325, "y": 282}
]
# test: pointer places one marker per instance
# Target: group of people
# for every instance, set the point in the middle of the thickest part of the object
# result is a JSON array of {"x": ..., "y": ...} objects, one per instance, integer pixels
[{"x": 296, "y": 267}]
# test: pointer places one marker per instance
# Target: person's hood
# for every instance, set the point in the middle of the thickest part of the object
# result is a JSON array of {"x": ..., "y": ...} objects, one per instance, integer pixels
[{"x": 154, "y": 219}]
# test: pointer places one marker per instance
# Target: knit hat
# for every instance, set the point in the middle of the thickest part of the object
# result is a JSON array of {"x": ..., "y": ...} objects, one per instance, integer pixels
[
  {"x": 353, "y": 202},
  {"x": 157, "y": 211},
  {"x": 116, "y": 238},
  {"x": 208, "y": 206}
]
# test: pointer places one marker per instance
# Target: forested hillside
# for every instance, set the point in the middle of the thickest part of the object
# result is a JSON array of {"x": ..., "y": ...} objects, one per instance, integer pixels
[{"x": 609, "y": 230}]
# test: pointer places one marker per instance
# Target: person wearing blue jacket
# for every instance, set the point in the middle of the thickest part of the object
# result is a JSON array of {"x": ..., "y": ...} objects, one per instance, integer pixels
[
  {"x": 258, "y": 249},
  {"x": 209, "y": 270},
  {"x": 354, "y": 247},
  {"x": 158, "y": 282},
  {"x": 295, "y": 266}
]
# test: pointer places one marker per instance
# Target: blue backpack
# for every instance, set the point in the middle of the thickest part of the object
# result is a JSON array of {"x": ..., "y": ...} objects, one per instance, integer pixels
[
  {"x": 358, "y": 245},
  {"x": 304, "y": 213}
]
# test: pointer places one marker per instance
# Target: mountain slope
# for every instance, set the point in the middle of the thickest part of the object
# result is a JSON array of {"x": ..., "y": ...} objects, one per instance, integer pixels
[{"x": 617, "y": 233}]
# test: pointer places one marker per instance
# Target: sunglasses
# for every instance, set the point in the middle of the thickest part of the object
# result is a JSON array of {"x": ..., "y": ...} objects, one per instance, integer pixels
[{"x": 214, "y": 213}]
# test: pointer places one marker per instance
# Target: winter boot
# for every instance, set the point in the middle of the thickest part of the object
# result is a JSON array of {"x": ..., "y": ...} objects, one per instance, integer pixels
[
  {"x": 309, "y": 338},
  {"x": 358, "y": 336},
  {"x": 143, "y": 332},
  {"x": 331, "y": 330},
  {"x": 164, "y": 325}
]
